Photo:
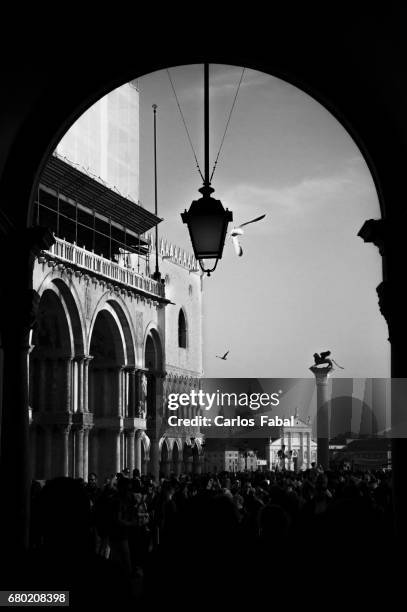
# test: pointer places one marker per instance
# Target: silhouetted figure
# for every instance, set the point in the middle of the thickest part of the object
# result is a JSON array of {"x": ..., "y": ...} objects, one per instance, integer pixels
[{"x": 66, "y": 560}]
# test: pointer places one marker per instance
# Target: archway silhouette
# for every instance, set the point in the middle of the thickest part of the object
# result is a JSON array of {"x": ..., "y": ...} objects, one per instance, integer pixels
[{"x": 74, "y": 104}]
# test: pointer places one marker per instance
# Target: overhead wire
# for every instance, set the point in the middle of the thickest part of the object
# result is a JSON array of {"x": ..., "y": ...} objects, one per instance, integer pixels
[{"x": 224, "y": 133}]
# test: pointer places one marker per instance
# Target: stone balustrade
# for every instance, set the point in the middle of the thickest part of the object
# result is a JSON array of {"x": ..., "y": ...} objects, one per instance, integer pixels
[{"x": 77, "y": 256}]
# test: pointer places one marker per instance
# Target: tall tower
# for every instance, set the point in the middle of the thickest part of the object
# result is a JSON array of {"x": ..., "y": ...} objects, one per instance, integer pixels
[{"x": 105, "y": 140}]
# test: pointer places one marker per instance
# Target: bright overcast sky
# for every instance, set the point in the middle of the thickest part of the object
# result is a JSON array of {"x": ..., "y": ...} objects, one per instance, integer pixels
[{"x": 305, "y": 282}]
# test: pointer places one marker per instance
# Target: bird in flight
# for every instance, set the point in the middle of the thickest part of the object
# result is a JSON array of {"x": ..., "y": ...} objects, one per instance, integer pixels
[
  {"x": 237, "y": 231},
  {"x": 223, "y": 356}
]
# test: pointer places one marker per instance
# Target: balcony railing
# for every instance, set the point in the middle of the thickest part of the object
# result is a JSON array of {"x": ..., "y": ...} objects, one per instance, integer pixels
[{"x": 71, "y": 253}]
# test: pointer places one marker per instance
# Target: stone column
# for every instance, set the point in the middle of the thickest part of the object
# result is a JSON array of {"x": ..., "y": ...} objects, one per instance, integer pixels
[
  {"x": 65, "y": 450},
  {"x": 137, "y": 451},
  {"x": 79, "y": 453},
  {"x": 117, "y": 450},
  {"x": 154, "y": 464},
  {"x": 198, "y": 465},
  {"x": 94, "y": 450},
  {"x": 130, "y": 435},
  {"x": 68, "y": 384},
  {"x": 85, "y": 453},
  {"x": 74, "y": 379},
  {"x": 131, "y": 405},
  {"x": 301, "y": 461},
  {"x": 188, "y": 465},
  {"x": 269, "y": 454},
  {"x": 80, "y": 359},
  {"x": 87, "y": 361},
  {"x": 308, "y": 450},
  {"x": 119, "y": 397},
  {"x": 321, "y": 377}
]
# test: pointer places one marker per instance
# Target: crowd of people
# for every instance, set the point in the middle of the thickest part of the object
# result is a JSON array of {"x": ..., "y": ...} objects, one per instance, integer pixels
[{"x": 139, "y": 539}]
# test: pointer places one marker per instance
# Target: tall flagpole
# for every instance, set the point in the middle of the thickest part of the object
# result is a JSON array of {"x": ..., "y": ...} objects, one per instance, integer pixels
[{"x": 157, "y": 274}]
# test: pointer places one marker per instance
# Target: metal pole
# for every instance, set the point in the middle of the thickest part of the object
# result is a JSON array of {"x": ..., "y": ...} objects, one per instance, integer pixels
[
  {"x": 206, "y": 122},
  {"x": 157, "y": 275}
]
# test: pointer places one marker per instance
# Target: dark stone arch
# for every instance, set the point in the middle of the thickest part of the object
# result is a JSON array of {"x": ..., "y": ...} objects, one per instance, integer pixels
[
  {"x": 50, "y": 359},
  {"x": 126, "y": 329},
  {"x": 348, "y": 108},
  {"x": 75, "y": 314},
  {"x": 52, "y": 333},
  {"x": 106, "y": 341}
]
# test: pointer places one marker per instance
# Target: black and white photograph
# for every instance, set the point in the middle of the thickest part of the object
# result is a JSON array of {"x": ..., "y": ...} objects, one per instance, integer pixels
[{"x": 203, "y": 365}]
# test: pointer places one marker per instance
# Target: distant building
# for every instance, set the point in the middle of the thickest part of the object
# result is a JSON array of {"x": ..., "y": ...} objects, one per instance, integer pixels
[
  {"x": 364, "y": 454},
  {"x": 222, "y": 456},
  {"x": 297, "y": 444}
]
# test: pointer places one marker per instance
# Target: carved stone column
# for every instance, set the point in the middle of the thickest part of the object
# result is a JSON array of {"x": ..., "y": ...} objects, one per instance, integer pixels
[
  {"x": 178, "y": 467},
  {"x": 188, "y": 465},
  {"x": 79, "y": 452},
  {"x": 87, "y": 361},
  {"x": 197, "y": 464},
  {"x": 131, "y": 401},
  {"x": 68, "y": 384},
  {"x": 269, "y": 457},
  {"x": 80, "y": 359},
  {"x": 85, "y": 453},
  {"x": 301, "y": 453},
  {"x": 117, "y": 437},
  {"x": 65, "y": 449},
  {"x": 119, "y": 396},
  {"x": 154, "y": 465},
  {"x": 130, "y": 460},
  {"x": 321, "y": 377},
  {"x": 137, "y": 451},
  {"x": 94, "y": 450}
]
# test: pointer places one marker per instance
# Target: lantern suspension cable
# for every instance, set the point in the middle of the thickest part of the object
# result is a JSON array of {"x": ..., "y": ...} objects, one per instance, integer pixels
[
  {"x": 207, "y": 180},
  {"x": 207, "y": 220},
  {"x": 227, "y": 124},
  {"x": 185, "y": 125},
  {"x": 207, "y": 189}
]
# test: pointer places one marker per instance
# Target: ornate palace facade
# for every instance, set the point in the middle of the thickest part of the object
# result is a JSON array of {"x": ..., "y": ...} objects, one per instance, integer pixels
[{"x": 111, "y": 338}]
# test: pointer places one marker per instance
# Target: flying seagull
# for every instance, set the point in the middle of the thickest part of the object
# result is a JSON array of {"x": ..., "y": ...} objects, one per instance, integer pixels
[
  {"x": 224, "y": 356},
  {"x": 237, "y": 231}
]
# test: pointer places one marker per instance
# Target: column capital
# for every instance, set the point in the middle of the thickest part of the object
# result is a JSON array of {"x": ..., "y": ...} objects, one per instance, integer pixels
[
  {"x": 388, "y": 235},
  {"x": 82, "y": 357},
  {"x": 321, "y": 374},
  {"x": 376, "y": 232},
  {"x": 130, "y": 433}
]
